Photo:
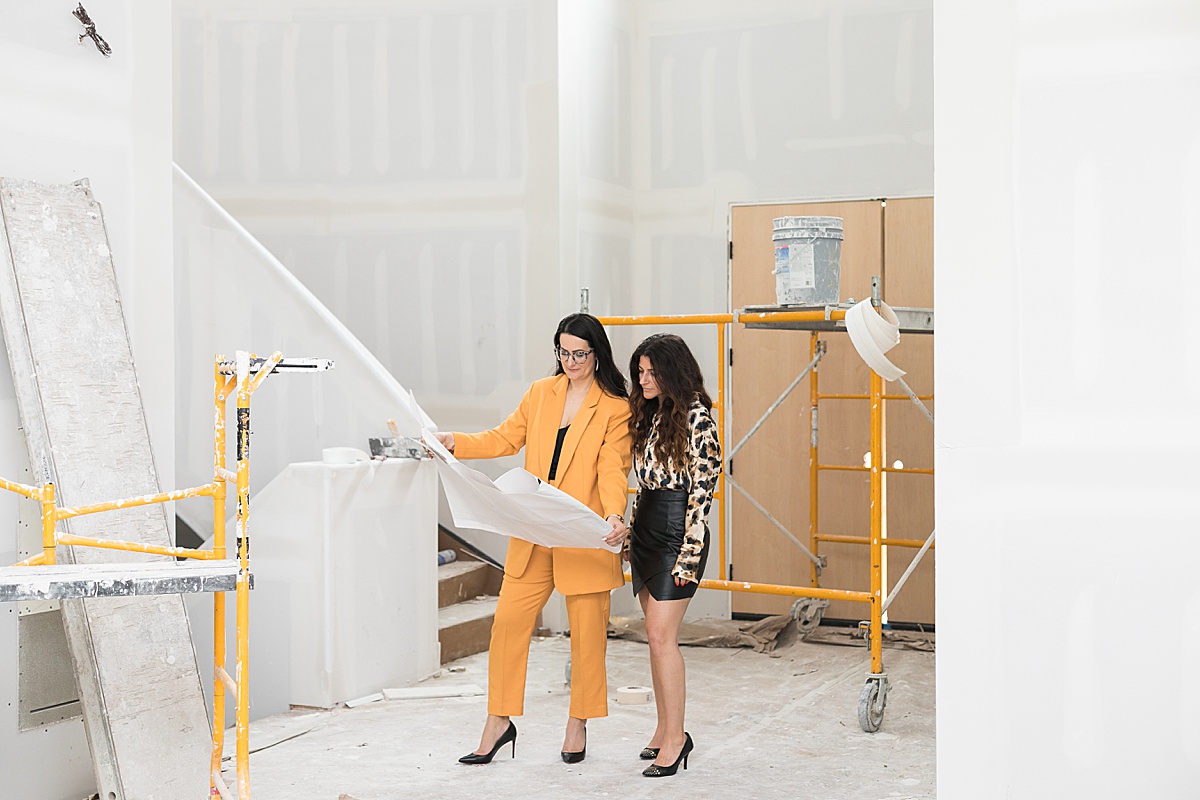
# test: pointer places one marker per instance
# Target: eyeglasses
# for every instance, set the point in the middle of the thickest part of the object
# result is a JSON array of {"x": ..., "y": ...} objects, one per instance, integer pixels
[{"x": 577, "y": 356}]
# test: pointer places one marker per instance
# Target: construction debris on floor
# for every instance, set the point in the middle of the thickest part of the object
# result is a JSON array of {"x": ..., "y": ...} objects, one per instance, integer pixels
[{"x": 766, "y": 725}]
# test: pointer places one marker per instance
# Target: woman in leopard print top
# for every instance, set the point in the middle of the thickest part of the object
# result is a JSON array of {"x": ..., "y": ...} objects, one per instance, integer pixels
[
  {"x": 698, "y": 478},
  {"x": 677, "y": 458}
]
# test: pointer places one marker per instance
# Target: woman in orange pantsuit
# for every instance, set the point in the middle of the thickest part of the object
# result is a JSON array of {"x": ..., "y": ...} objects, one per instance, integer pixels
[{"x": 574, "y": 427}]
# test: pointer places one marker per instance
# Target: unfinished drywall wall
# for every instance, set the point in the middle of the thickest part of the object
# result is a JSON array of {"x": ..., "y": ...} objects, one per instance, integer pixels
[
  {"x": 1067, "y": 400},
  {"x": 400, "y": 161},
  {"x": 476, "y": 163},
  {"x": 71, "y": 113}
]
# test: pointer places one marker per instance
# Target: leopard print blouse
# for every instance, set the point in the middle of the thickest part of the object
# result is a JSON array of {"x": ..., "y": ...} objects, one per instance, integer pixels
[{"x": 698, "y": 478}]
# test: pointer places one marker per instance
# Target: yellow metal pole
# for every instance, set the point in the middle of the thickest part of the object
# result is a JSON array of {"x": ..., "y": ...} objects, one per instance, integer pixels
[
  {"x": 220, "y": 393},
  {"x": 49, "y": 544},
  {"x": 721, "y": 358},
  {"x": 32, "y": 492},
  {"x": 814, "y": 397},
  {"x": 243, "y": 580},
  {"x": 791, "y": 316},
  {"x": 134, "y": 547},
  {"x": 243, "y": 683},
  {"x": 264, "y": 370},
  {"x": 888, "y": 541},
  {"x": 788, "y": 591},
  {"x": 132, "y": 502},
  {"x": 668, "y": 319},
  {"x": 876, "y": 524}
]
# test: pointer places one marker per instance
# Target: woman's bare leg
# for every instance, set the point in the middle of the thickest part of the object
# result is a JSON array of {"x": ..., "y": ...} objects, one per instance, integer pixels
[
  {"x": 663, "y": 618},
  {"x": 655, "y": 740}
]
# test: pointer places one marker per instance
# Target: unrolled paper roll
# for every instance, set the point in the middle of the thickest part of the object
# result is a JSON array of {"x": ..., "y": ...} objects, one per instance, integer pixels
[{"x": 634, "y": 695}]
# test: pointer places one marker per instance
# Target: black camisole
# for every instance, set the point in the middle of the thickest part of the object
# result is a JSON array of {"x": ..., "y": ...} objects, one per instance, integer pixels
[{"x": 562, "y": 434}]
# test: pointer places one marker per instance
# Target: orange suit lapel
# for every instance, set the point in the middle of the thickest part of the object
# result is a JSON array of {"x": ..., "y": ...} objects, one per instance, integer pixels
[
  {"x": 549, "y": 416},
  {"x": 578, "y": 426}
]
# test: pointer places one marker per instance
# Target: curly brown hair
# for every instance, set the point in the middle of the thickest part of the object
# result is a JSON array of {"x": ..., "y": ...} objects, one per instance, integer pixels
[{"x": 680, "y": 382}]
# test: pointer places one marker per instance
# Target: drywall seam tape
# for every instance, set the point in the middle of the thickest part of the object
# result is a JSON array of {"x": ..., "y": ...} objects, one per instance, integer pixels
[
  {"x": 873, "y": 335},
  {"x": 634, "y": 695}
]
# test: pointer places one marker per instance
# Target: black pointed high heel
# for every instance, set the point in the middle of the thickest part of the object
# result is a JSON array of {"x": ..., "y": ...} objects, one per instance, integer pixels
[
  {"x": 649, "y": 753},
  {"x": 655, "y": 771},
  {"x": 509, "y": 735},
  {"x": 576, "y": 757}
]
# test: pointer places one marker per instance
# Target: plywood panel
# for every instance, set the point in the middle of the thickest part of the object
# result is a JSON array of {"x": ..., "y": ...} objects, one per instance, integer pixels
[
  {"x": 894, "y": 240},
  {"x": 773, "y": 466},
  {"x": 908, "y": 281}
]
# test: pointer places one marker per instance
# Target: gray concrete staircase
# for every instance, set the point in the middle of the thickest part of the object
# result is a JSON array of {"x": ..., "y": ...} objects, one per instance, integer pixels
[{"x": 467, "y": 590}]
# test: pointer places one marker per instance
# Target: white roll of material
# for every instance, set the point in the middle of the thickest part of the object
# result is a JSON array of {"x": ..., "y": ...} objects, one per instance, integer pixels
[
  {"x": 343, "y": 455},
  {"x": 873, "y": 334},
  {"x": 635, "y": 695}
]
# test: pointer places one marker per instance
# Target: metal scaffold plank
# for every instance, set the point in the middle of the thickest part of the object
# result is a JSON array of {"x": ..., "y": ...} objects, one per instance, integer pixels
[
  {"x": 63, "y": 581},
  {"x": 81, "y": 410}
]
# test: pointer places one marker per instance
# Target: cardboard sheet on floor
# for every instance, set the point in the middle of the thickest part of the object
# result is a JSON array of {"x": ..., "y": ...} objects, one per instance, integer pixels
[{"x": 516, "y": 504}]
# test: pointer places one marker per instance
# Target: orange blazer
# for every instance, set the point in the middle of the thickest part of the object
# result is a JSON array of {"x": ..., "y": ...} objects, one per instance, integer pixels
[{"x": 593, "y": 467}]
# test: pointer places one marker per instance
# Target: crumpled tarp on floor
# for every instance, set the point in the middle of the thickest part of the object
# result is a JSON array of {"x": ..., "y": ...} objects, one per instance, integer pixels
[
  {"x": 763, "y": 635},
  {"x": 766, "y": 635},
  {"x": 921, "y": 641}
]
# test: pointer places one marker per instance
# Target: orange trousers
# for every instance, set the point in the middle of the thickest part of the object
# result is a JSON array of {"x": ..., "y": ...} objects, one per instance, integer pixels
[{"x": 508, "y": 656}]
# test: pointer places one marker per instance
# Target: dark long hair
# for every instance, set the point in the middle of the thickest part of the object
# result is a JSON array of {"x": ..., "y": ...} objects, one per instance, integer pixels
[
  {"x": 588, "y": 328},
  {"x": 680, "y": 382}
]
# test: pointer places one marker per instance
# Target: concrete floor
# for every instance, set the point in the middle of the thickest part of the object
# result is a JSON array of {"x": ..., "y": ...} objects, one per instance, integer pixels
[{"x": 765, "y": 726}]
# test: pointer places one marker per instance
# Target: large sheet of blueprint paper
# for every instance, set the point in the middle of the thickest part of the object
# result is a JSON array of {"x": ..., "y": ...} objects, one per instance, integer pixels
[
  {"x": 517, "y": 504},
  {"x": 81, "y": 411}
]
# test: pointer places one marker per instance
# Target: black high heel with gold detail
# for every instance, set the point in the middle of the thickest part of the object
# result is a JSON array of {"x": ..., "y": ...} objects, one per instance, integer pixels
[
  {"x": 649, "y": 753},
  {"x": 577, "y": 756},
  {"x": 655, "y": 771},
  {"x": 509, "y": 735}
]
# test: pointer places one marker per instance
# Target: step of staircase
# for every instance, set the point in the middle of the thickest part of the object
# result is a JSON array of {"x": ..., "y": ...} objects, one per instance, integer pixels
[
  {"x": 467, "y": 590},
  {"x": 465, "y": 580},
  {"x": 466, "y": 628}
]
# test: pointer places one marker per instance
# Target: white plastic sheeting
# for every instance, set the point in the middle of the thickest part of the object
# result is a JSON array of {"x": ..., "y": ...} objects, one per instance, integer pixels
[{"x": 345, "y": 584}]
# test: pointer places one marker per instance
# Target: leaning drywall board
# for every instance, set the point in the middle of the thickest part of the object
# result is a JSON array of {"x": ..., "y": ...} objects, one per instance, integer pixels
[{"x": 81, "y": 410}]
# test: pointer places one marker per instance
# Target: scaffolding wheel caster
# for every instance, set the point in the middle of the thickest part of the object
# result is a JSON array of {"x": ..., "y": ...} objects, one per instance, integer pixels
[
  {"x": 871, "y": 702},
  {"x": 807, "y": 612}
]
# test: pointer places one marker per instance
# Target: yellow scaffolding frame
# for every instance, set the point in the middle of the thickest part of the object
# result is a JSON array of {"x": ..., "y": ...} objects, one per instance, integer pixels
[
  {"x": 874, "y": 694},
  {"x": 246, "y": 373}
]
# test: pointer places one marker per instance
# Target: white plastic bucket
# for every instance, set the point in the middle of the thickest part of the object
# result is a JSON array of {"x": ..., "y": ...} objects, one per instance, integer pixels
[{"x": 808, "y": 260}]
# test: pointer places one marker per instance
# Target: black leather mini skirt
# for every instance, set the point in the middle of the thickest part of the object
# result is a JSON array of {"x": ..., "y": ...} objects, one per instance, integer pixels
[{"x": 658, "y": 530}]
